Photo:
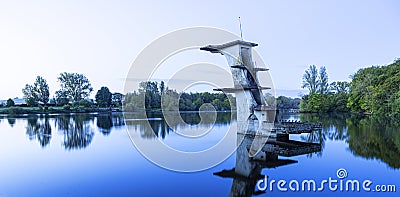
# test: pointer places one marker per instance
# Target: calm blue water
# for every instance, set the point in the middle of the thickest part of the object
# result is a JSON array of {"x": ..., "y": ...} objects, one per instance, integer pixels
[{"x": 93, "y": 155}]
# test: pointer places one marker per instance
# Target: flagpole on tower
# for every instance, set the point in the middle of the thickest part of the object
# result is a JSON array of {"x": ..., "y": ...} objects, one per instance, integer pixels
[{"x": 240, "y": 26}]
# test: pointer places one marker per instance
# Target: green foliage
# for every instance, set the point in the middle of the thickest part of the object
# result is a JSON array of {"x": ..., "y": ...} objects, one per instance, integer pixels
[
  {"x": 310, "y": 79},
  {"x": 283, "y": 102},
  {"x": 75, "y": 86},
  {"x": 14, "y": 110},
  {"x": 85, "y": 103},
  {"x": 154, "y": 96},
  {"x": 10, "y": 103},
  {"x": 116, "y": 99},
  {"x": 316, "y": 103},
  {"x": 31, "y": 102},
  {"x": 151, "y": 94},
  {"x": 41, "y": 89},
  {"x": 82, "y": 104},
  {"x": 323, "y": 97},
  {"x": 376, "y": 90},
  {"x": 323, "y": 85},
  {"x": 61, "y": 98},
  {"x": 30, "y": 95},
  {"x": 66, "y": 107},
  {"x": 270, "y": 99},
  {"x": 38, "y": 92},
  {"x": 103, "y": 97},
  {"x": 194, "y": 101}
]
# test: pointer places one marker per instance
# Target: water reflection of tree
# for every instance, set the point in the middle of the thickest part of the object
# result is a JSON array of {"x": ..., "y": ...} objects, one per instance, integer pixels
[
  {"x": 11, "y": 121},
  {"x": 156, "y": 126},
  {"x": 76, "y": 129},
  {"x": 118, "y": 120},
  {"x": 371, "y": 137},
  {"x": 333, "y": 128},
  {"x": 104, "y": 123},
  {"x": 151, "y": 129},
  {"x": 375, "y": 137},
  {"x": 39, "y": 129}
]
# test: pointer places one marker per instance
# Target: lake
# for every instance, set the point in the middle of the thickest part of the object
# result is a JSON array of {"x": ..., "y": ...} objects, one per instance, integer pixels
[{"x": 93, "y": 155}]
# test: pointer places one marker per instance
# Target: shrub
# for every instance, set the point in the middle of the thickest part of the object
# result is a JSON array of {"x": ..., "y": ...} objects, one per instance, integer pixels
[
  {"x": 15, "y": 110},
  {"x": 81, "y": 108},
  {"x": 85, "y": 103},
  {"x": 10, "y": 103},
  {"x": 66, "y": 107}
]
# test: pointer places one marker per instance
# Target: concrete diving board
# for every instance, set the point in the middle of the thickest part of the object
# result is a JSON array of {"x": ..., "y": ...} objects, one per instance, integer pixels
[{"x": 235, "y": 89}]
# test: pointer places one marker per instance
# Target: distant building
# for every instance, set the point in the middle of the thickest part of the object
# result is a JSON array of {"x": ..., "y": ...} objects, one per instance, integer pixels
[{"x": 17, "y": 101}]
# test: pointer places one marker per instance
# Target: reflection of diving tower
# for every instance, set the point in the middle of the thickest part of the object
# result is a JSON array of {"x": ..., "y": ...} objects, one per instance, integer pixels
[
  {"x": 250, "y": 102},
  {"x": 247, "y": 170}
]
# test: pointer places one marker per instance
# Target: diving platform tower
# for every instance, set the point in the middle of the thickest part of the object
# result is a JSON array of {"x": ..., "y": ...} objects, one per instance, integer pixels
[{"x": 251, "y": 105}]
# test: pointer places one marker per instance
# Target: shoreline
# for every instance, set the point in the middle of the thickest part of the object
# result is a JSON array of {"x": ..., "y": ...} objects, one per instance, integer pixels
[{"x": 51, "y": 110}]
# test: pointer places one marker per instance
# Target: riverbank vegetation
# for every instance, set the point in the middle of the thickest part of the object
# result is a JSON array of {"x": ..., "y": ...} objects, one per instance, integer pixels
[
  {"x": 156, "y": 96},
  {"x": 372, "y": 90},
  {"x": 323, "y": 96},
  {"x": 376, "y": 90},
  {"x": 72, "y": 97}
]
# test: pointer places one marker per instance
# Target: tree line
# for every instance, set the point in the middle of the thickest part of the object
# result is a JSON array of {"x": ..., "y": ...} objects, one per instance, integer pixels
[
  {"x": 376, "y": 90},
  {"x": 372, "y": 90},
  {"x": 74, "y": 89},
  {"x": 154, "y": 96},
  {"x": 323, "y": 96},
  {"x": 282, "y": 102}
]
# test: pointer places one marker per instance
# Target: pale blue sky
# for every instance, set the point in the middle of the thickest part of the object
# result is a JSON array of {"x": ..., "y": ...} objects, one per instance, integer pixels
[{"x": 100, "y": 39}]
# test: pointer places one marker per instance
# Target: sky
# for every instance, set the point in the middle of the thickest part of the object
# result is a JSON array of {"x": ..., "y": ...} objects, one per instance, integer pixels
[{"x": 101, "y": 39}]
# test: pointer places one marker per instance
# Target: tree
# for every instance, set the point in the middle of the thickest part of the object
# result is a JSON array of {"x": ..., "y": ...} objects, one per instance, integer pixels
[
  {"x": 75, "y": 86},
  {"x": 283, "y": 102},
  {"x": 41, "y": 89},
  {"x": 151, "y": 96},
  {"x": 103, "y": 97},
  {"x": 323, "y": 85},
  {"x": 162, "y": 87},
  {"x": 339, "y": 96},
  {"x": 151, "y": 93},
  {"x": 116, "y": 99},
  {"x": 10, "y": 103},
  {"x": 375, "y": 89},
  {"x": 61, "y": 98},
  {"x": 319, "y": 98},
  {"x": 310, "y": 79},
  {"x": 340, "y": 87},
  {"x": 38, "y": 92},
  {"x": 30, "y": 95}
]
